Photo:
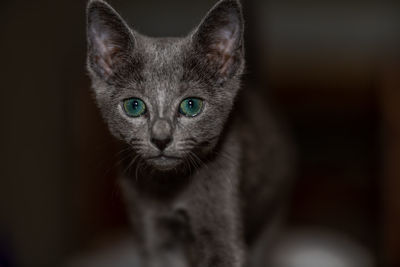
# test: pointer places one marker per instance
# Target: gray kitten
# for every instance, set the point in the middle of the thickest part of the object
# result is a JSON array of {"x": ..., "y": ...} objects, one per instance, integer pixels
[{"x": 206, "y": 168}]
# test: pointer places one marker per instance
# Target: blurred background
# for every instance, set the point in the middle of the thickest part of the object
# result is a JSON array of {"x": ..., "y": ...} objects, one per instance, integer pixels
[{"x": 331, "y": 66}]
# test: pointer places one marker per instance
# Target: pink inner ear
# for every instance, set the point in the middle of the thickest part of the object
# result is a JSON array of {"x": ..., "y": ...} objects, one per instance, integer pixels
[
  {"x": 222, "y": 49},
  {"x": 106, "y": 50},
  {"x": 228, "y": 37}
]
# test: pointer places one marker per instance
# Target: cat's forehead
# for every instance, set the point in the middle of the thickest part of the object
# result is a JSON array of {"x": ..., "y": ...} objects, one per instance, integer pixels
[
  {"x": 163, "y": 56},
  {"x": 169, "y": 70},
  {"x": 162, "y": 59}
]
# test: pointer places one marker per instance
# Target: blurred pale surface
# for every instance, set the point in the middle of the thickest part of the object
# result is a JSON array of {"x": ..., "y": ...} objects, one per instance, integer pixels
[{"x": 300, "y": 248}]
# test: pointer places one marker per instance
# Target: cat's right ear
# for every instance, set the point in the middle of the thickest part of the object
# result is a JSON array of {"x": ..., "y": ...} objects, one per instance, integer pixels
[{"x": 110, "y": 41}]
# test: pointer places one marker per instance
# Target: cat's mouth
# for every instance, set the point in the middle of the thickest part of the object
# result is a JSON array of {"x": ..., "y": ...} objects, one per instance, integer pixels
[{"x": 164, "y": 162}]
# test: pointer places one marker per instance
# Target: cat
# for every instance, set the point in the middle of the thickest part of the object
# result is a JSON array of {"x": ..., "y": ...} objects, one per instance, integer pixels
[{"x": 207, "y": 168}]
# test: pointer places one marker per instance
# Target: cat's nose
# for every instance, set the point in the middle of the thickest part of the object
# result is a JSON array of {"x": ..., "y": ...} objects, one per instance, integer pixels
[
  {"x": 161, "y": 135},
  {"x": 161, "y": 143}
]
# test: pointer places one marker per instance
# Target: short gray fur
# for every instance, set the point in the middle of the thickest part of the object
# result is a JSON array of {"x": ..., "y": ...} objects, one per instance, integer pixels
[{"x": 209, "y": 198}]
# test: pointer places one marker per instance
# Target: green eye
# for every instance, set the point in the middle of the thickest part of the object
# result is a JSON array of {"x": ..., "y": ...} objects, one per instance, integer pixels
[
  {"x": 134, "y": 107},
  {"x": 191, "y": 107}
]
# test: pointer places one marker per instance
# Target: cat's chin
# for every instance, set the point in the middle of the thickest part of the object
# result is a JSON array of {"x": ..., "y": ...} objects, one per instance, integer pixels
[{"x": 164, "y": 163}]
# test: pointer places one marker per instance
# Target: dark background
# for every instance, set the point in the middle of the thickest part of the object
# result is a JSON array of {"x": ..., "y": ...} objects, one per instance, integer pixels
[{"x": 332, "y": 67}]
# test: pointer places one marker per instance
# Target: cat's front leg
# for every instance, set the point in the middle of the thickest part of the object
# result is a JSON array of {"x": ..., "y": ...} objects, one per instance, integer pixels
[
  {"x": 216, "y": 241},
  {"x": 165, "y": 237},
  {"x": 214, "y": 223}
]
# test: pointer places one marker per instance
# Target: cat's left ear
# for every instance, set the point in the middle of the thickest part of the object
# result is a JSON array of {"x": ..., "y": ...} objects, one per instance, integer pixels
[{"x": 220, "y": 37}]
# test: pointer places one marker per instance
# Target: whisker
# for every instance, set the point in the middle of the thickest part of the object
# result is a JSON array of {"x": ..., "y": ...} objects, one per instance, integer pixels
[
  {"x": 138, "y": 165},
  {"x": 194, "y": 160},
  {"x": 131, "y": 163},
  {"x": 199, "y": 159},
  {"x": 228, "y": 157},
  {"x": 186, "y": 160}
]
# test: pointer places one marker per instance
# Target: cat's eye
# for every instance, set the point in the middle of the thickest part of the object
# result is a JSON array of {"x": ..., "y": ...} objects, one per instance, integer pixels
[
  {"x": 134, "y": 107},
  {"x": 191, "y": 107}
]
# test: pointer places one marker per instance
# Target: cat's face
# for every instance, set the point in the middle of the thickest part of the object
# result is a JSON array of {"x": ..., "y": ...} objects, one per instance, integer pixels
[{"x": 167, "y": 98}]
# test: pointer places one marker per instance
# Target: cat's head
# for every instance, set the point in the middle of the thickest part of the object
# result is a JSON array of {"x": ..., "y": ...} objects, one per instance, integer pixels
[{"x": 168, "y": 98}]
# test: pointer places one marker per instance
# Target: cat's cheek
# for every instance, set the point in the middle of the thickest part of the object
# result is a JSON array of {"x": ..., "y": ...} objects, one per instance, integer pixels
[{"x": 130, "y": 127}]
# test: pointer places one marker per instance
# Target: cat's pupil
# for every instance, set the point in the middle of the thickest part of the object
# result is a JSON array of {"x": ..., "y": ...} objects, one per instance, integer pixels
[
  {"x": 135, "y": 104},
  {"x": 191, "y": 104}
]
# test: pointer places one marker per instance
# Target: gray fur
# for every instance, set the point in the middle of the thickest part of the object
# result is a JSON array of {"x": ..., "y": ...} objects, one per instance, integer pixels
[{"x": 221, "y": 172}]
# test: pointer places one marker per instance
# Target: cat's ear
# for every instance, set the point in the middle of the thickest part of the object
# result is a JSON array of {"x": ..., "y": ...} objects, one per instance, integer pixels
[
  {"x": 219, "y": 37},
  {"x": 110, "y": 41}
]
